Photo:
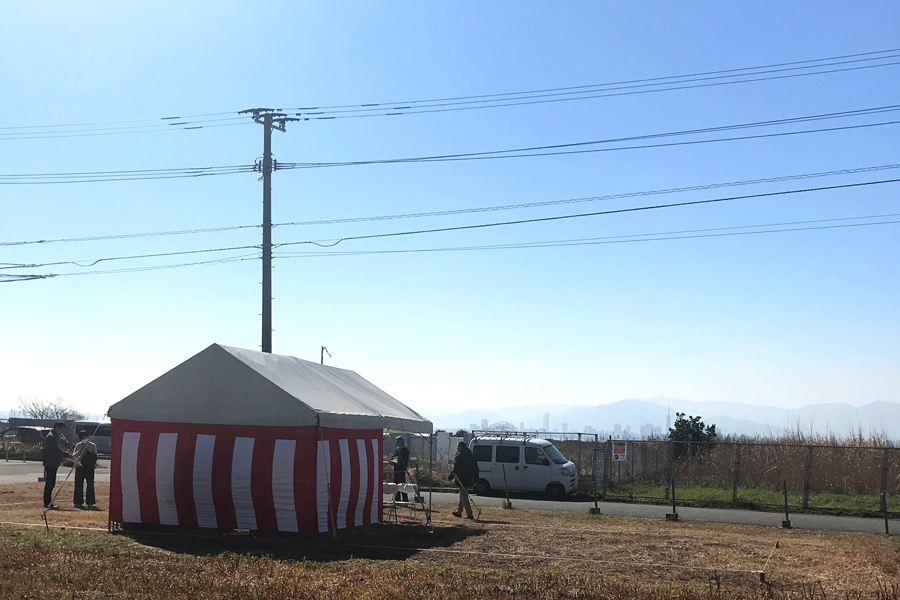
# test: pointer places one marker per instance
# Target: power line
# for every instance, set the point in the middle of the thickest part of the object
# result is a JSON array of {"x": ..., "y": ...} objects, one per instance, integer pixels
[
  {"x": 453, "y": 107},
  {"x": 219, "y": 261},
  {"x": 498, "y": 154},
  {"x": 693, "y": 188},
  {"x": 666, "y": 236},
  {"x": 92, "y": 262},
  {"x": 126, "y": 121},
  {"x": 173, "y": 122},
  {"x": 559, "y": 89},
  {"x": 638, "y": 237},
  {"x": 132, "y": 235},
  {"x": 464, "y": 210},
  {"x": 71, "y": 133},
  {"x": 582, "y": 215},
  {"x": 128, "y": 175}
]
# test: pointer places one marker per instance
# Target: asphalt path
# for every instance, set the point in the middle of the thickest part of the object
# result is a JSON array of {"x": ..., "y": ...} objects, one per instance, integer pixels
[
  {"x": 26, "y": 472},
  {"x": 19, "y": 472},
  {"x": 685, "y": 513}
]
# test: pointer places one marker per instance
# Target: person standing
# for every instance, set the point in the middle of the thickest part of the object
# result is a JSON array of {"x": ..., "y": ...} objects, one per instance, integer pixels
[
  {"x": 86, "y": 456},
  {"x": 465, "y": 472},
  {"x": 400, "y": 460},
  {"x": 53, "y": 457}
]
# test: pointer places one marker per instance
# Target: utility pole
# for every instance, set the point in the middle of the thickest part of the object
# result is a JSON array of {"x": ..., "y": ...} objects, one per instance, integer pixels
[
  {"x": 269, "y": 118},
  {"x": 322, "y": 355}
]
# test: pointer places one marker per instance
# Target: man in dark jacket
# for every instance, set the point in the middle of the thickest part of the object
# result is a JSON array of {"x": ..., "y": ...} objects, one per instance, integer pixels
[
  {"x": 53, "y": 457},
  {"x": 400, "y": 460},
  {"x": 465, "y": 472}
]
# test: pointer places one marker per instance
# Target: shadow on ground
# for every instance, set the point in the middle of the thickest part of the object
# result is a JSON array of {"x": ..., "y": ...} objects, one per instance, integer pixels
[{"x": 375, "y": 542}]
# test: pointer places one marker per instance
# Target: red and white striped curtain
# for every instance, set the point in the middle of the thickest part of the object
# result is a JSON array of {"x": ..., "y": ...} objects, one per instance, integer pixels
[{"x": 297, "y": 479}]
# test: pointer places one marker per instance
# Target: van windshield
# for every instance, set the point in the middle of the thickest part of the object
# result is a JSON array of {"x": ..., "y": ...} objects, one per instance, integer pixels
[{"x": 554, "y": 454}]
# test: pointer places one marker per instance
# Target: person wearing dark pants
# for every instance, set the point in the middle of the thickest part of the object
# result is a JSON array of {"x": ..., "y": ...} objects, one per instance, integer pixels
[
  {"x": 53, "y": 457},
  {"x": 465, "y": 472},
  {"x": 86, "y": 456},
  {"x": 400, "y": 460}
]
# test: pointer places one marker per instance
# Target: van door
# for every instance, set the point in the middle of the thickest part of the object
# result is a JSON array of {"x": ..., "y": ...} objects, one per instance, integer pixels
[
  {"x": 536, "y": 472},
  {"x": 484, "y": 455},
  {"x": 508, "y": 459}
]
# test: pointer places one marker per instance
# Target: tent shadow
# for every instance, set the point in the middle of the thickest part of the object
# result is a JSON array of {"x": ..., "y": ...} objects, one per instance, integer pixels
[{"x": 376, "y": 542}]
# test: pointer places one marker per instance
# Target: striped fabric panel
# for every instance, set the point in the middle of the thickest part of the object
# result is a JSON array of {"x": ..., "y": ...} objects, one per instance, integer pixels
[
  {"x": 131, "y": 499},
  {"x": 165, "y": 478},
  {"x": 241, "y": 490},
  {"x": 203, "y": 494},
  {"x": 283, "y": 484}
]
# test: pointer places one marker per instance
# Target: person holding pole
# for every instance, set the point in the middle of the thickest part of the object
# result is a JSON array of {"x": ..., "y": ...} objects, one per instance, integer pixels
[
  {"x": 53, "y": 455},
  {"x": 464, "y": 473},
  {"x": 86, "y": 456}
]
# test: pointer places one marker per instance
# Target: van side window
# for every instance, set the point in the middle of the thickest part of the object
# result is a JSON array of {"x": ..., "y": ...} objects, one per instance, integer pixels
[
  {"x": 482, "y": 453},
  {"x": 536, "y": 456},
  {"x": 507, "y": 454}
]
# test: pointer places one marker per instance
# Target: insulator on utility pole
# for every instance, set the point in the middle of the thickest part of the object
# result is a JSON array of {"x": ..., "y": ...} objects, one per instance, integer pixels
[{"x": 270, "y": 119}]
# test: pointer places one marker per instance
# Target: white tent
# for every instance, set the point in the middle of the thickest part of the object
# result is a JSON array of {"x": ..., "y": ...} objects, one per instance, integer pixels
[
  {"x": 237, "y": 439},
  {"x": 223, "y": 385}
]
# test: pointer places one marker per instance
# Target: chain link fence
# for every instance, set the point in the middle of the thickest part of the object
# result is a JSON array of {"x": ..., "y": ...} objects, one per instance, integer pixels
[{"x": 827, "y": 478}]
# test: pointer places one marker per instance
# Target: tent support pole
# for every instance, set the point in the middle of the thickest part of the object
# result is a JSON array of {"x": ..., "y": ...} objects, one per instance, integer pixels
[{"x": 430, "y": 474}]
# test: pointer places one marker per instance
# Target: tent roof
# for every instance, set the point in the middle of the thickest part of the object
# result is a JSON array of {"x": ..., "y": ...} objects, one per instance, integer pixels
[{"x": 223, "y": 385}]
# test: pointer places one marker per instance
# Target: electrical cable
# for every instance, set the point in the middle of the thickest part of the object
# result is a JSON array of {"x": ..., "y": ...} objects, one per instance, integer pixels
[
  {"x": 750, "y": 125},
  {"x": 615, "y": 239},
  {"x": 321, "y": 244},
  {"x": 408, "y": 110},
  {"x": 174, "y": 121},
  {"x": 831, "y": 58},
  {"x": 497, "y": 155},
  {"x": 94, "y": 133},
  {"x": 462, "y": 210},
  {"x": 631, "y": 238},
  {"x": 129, "y": 175},
  {"x": 92, "y": 262},
  {"x": 240, "y": 258}
]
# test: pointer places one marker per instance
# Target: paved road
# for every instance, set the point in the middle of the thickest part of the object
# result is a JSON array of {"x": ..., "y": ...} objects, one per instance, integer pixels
[
  {"x": 19, "y": 472},
  {"x": 715, "y": 515}
]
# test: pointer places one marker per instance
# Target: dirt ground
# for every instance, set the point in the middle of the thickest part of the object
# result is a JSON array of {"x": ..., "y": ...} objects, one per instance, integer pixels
[{"x": 646, "y": 553}]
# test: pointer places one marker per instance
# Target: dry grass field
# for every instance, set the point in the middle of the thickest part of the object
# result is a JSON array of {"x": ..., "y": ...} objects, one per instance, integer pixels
[{"x": 509, "y": 554}]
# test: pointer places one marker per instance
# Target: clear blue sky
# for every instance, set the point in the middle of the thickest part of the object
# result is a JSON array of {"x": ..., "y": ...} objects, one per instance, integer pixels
[{"x": 780, "y": 319}]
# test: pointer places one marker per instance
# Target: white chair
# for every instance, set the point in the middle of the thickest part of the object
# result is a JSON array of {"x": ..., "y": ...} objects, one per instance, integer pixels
[{"x": 391, "y": 505}]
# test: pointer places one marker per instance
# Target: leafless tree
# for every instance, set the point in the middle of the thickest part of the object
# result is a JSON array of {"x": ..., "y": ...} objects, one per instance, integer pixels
[{"x": 56, "y": 410}]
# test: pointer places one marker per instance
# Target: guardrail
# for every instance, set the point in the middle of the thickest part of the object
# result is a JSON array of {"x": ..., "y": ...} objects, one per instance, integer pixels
[{"x": 6, "y": 447}]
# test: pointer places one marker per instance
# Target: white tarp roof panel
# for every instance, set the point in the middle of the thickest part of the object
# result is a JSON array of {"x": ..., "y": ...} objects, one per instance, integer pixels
[{"x": 223, "y": 385}]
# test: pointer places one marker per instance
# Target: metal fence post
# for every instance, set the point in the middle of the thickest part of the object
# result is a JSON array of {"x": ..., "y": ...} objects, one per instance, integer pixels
[
  {"x": 884, "y": 479},
  {"x": 578, "y": 466},
  {"x": 606, "y": 458},
  {"x": 669, "y": 450},
  {"x": 737, "y": 473},
  {"x": 808, "y": 478}
]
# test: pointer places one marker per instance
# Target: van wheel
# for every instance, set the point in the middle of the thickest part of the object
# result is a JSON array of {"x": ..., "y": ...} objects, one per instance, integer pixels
[
  {"x": 482, "y": 487},
  {"x": 555, "y": 491}
]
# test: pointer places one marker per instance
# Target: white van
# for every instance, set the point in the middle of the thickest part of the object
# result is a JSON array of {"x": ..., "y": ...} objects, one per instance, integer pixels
[
  {"x": 532, "y": 465},
  {"x": 102, "y": 435}
]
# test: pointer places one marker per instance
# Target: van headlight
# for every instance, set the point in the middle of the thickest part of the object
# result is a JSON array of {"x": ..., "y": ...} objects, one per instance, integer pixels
[{"x": 567, "y": 471}]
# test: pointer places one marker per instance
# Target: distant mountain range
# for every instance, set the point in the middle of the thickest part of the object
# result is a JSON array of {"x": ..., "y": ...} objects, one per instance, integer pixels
[{"x": 841, "y": 420}]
